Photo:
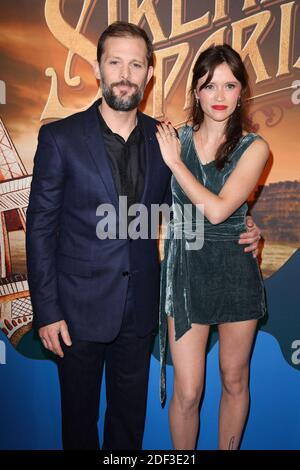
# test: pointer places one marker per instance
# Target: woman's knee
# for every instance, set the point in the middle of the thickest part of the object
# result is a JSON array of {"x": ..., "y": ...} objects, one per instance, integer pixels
[
  {"x": 235, "y": 381},
  {"x": 188, "y": 397}
]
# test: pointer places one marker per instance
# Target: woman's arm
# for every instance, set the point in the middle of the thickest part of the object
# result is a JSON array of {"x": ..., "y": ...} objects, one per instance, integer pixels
[{"x": 238, "y": 187}]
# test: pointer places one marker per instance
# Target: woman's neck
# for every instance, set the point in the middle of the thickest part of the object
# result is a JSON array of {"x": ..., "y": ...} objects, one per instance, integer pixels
[{"x": 212, "y": 131}]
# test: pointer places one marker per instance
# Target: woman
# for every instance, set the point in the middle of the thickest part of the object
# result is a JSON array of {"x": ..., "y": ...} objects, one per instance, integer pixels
[{"x": 215, "y": 162}]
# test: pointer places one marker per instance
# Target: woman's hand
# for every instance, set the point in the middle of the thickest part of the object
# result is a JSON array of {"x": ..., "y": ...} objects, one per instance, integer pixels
[{"x": 169, "y": 144}]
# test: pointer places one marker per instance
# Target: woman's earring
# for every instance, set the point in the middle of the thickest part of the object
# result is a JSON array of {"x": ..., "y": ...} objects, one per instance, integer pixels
[{"x": 239, "y": 102}]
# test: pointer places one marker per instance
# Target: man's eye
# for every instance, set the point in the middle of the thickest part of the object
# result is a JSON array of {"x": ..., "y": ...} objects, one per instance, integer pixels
[
  {"x": 137, "y": 65},
  {"x": 113, "y": 62}
]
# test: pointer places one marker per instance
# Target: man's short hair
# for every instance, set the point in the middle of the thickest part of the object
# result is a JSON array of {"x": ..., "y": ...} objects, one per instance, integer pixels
[{"x": 121, "y": 29}]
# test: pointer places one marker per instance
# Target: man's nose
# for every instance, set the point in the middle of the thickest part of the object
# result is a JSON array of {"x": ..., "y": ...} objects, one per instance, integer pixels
[{"x": 125, "y": 72}]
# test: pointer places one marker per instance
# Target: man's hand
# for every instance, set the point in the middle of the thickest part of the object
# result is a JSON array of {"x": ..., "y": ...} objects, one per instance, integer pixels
[
  {"x": 49, "y": 335},
  {"x": 251, "y": 237}
]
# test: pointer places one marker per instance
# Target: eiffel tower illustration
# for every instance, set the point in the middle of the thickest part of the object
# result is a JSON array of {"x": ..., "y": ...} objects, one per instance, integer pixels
[{"x": 15, "y": 305}]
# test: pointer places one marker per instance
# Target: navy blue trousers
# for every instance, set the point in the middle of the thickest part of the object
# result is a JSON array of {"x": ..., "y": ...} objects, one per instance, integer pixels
[{"x": 126, "y": 360}]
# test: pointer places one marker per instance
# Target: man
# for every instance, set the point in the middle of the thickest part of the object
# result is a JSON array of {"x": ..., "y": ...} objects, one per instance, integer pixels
[{"x": 95, "y": 299}]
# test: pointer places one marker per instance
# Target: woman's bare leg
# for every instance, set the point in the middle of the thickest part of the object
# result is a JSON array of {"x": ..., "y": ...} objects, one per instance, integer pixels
[
  {"x": 188, "y": 355},
  {"x": 236, "y": 341}
]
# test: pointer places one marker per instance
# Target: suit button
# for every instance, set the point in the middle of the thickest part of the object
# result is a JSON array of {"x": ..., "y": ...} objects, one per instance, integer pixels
[{"x": 125, "y": 273}]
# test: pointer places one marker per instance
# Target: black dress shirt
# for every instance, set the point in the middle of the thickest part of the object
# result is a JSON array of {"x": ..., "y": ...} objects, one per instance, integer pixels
[{"x": 127, "y": 159}]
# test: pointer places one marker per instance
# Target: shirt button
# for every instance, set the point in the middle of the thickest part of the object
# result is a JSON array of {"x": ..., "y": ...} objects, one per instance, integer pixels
[{"x": 125, "y": 273}]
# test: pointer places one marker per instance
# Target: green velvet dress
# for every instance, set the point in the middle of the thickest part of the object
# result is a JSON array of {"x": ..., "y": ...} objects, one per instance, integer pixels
[{"x": 218, "y": 282}]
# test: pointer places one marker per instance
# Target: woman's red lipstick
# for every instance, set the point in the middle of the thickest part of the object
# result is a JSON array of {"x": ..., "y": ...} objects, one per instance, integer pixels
[{"x": 219, "y": 107}]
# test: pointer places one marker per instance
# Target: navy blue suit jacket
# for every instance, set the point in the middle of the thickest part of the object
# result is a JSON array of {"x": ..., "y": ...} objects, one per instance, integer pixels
[{"x": 73, "y": 275}]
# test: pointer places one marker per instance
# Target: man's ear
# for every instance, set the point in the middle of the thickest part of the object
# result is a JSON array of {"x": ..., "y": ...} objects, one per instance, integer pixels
[
  {"x": 96, "y": 68},
  {"x": 149, "y": 74}
]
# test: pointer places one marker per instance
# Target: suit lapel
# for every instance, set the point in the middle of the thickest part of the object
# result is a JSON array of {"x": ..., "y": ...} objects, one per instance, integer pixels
[
  {"x": 149, "y": 152},
  {"x": 94, "y": 142}
]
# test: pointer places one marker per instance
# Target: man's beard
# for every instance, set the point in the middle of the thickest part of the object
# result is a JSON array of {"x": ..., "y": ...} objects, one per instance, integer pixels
[{"x": 122, "y": 103}]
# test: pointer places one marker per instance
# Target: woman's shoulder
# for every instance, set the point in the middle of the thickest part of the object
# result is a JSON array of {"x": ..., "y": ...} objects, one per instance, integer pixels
[
  {"x": 249, "y": 137},
  {"x": 252, "y": 136},
  {"x": 185, "y": 131},
  {"x": 186, "y": 127},
  {"x": 253, "y": 142}
]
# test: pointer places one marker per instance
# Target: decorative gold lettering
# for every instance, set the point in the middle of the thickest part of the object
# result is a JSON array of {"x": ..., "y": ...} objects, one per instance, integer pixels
[
  {"x": 249, "y": 4},
  {"x": 77, "y": 44},
  {"x": 181, "y": 28},
  {"x": 221, "y": 10},
  {"x": 247, "y": 35},
  {"x": 285, "y": 37},
  {"x": 261, "y": 21},
  {"x": 297, "y": 64},
  {"x": 113, "y": 11},
  {"x": 54, "y": 109},
  {"x": 146, "y": 9},
  {"x": 163, "y": 85}
]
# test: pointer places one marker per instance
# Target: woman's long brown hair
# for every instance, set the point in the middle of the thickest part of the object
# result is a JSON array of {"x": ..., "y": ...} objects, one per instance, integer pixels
[{"x": 239, "y": 121}]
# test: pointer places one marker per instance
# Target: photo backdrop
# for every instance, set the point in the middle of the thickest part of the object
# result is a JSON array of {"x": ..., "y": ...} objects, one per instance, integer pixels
[{"x": 47, "y": 51}]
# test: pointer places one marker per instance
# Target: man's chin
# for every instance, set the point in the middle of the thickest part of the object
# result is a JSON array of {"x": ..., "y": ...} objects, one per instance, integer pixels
[
  {"x": 122, "y": 102},
  {"x": 123, "y": 105}
]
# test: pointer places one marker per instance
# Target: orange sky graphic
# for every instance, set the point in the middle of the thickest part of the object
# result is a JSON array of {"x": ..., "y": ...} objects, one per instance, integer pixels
[{"x": 28, "y": 48}]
